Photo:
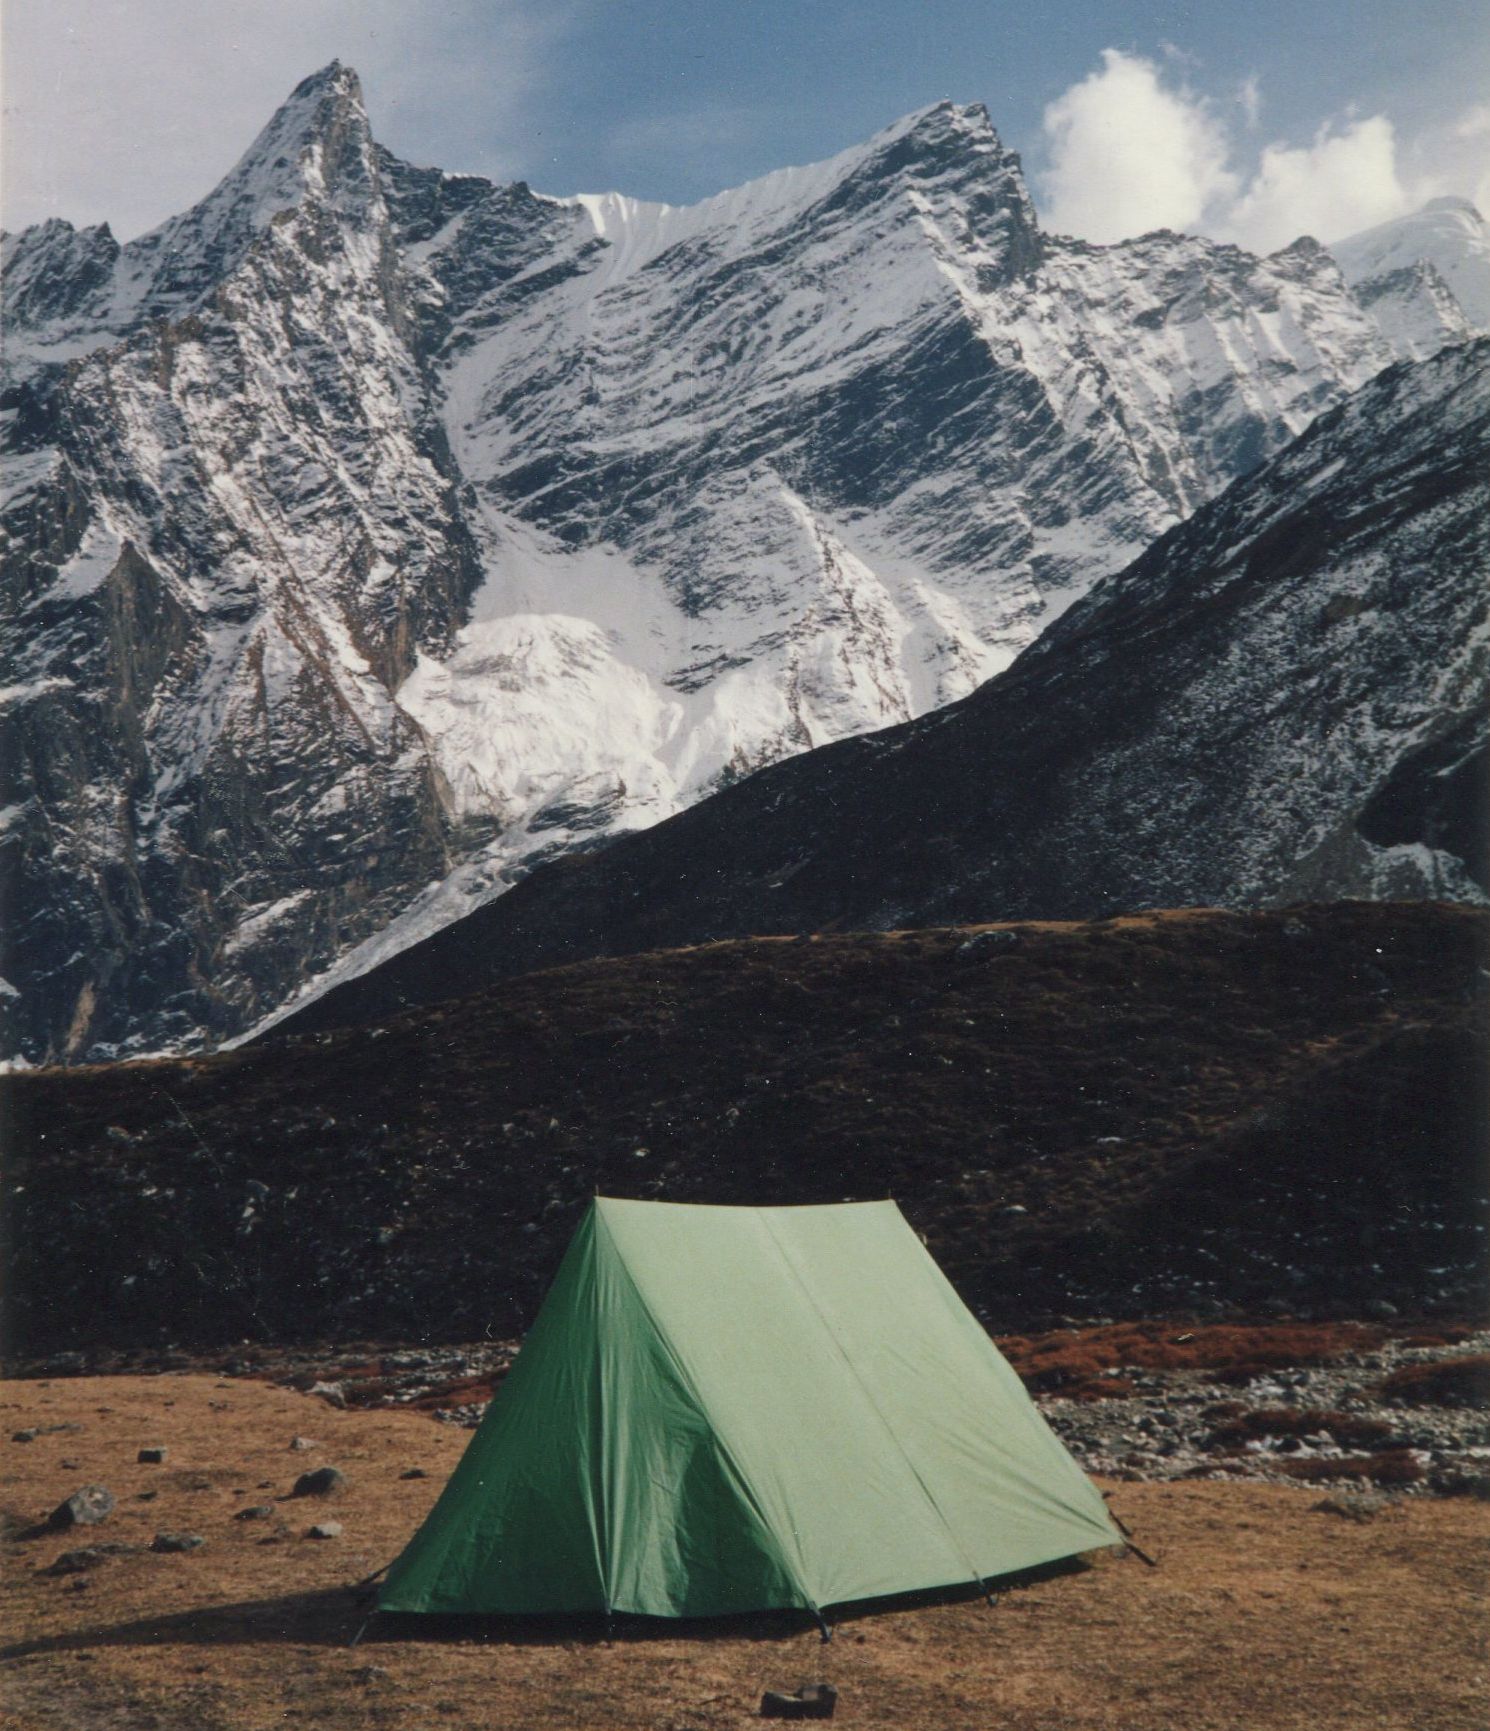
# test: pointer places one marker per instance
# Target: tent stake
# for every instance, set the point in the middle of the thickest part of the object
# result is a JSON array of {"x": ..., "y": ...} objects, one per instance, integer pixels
[
  {"x": 362, "y": 1631},
  {"x": 825, "y": 1628},
  {"x": 1142, "y": 1555}
]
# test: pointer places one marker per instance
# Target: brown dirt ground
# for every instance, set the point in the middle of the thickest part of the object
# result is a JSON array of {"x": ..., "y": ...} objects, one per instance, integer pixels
[{"x": 1262, "y": 1613}]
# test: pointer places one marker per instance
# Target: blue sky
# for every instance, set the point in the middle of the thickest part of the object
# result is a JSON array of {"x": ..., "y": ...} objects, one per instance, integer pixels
[{"x": 1244, "y": 120}]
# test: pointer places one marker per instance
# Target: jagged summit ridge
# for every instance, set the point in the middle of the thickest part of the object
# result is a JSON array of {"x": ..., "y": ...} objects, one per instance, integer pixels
[
  {"x": 1285, "y": 699},
  {"x": 1425, "y": 276},
  {"x": 374, "y": 533}
]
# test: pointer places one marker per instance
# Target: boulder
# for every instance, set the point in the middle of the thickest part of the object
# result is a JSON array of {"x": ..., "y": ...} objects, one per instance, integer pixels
[
  {"x": 323, "y": 1482},
  {"x": 84, "y": 1508}
]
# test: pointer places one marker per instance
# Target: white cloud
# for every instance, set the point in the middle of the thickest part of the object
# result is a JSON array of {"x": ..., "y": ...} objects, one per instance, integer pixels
[
  {"x": 1455, "y": 158},
  {"x": 1130, "y": 150},
  {"x": 1128, "y": 154},
  {"x": 1342, "y": 182},
  {"x": 127, "y": 111}
]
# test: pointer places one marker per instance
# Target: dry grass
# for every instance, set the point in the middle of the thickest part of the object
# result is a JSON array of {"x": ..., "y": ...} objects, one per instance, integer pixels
[
  {"x": 1078, "y": 1362},
  {"x": 1262, "y": 1615}
]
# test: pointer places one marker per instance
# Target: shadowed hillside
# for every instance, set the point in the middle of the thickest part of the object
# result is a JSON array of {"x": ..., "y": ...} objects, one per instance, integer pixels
[{"x": 1180, "y": 1112}]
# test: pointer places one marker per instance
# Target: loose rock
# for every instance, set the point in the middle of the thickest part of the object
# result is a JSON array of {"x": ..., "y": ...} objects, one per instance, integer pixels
[
  {"x": 152, "y": 1456},
  {"x": 323, "y": 1482},
  {"x": 324, "y": 1530},
  {"x": 301, "y": 1443},
  {"x": 177, "y": 1542},
  {"x": 258, "y": 1512},
  {"x": 75, "y": 1562},
  {"x": 815, "y": 1701},
  {"x": 84, "y": 1508}
]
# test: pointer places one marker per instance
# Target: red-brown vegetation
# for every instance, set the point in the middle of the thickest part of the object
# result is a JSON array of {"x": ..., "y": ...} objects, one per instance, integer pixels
[
  {"x": 1389, "y": 1467},
  {"x": 1349, "y": 1430},
  {"x": 1053, "y": 1361},
  {"x": 1442, "y": 1382}
]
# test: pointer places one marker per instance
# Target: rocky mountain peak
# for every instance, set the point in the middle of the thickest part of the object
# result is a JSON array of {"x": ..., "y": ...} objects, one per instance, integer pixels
[
  {"x": 1447, "y": 233},
  {"x": 318, "y": 145},
  {"x": 487, "y": 523}
]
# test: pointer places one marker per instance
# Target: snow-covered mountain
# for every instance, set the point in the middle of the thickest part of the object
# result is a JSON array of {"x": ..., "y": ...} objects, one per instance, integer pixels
[
  {"x": 372, "y": 534},
  {"x": 1286, "y": 699},
  {"x": 1424, "y": 278}
]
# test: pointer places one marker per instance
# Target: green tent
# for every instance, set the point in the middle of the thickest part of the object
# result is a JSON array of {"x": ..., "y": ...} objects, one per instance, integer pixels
[{"x": 730, "y": 1409}]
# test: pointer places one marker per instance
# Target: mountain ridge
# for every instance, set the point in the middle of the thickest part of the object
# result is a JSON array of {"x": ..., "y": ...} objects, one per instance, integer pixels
[
  {"x": 374, "y": 534},
  {"x": 1284, "y": 698}
]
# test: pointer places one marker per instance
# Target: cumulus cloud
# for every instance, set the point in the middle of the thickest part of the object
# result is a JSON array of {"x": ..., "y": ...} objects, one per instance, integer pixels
[
  {"x": 1341, "y": 182},
  {"x": 1128, "y": 154},
  {"x": 1129, "y": 149}
]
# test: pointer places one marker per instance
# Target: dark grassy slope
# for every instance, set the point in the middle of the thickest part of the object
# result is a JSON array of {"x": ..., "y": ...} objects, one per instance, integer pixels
[
  {"x": 1153, "y": 1114},
  {"x": 1279, "y": 690}
]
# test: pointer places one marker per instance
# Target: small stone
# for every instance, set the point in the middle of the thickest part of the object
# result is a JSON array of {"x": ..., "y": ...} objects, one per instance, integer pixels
[
  {"x": 23, "y": 1436},
  {"x": 323, "y": 1482},
  {"x": 84, "y": 1508},
  {"x": 75, "y": 1562},
  {"x": 330, "y": 1392},
  {"x": 324, "y": 1530},
  {"x": 258, "y": 1512},
  {"x": 301, "y": 1443},
  {"x": 152, "y": 1456},
  {"x": 146, "y": 1496},
  {"x": 816, "y": 1701},
  {"x": 982, "y": 944},
  {"x": 414, "y": 1473},
  {"x": 166, "y": 1542}
]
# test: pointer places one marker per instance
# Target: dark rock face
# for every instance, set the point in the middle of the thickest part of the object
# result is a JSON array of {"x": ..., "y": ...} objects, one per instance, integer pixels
[
  {"x": 810, "y": 459},
  {"x": 1284, "y": 698},
  {"x": 203, "y": 732}
]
